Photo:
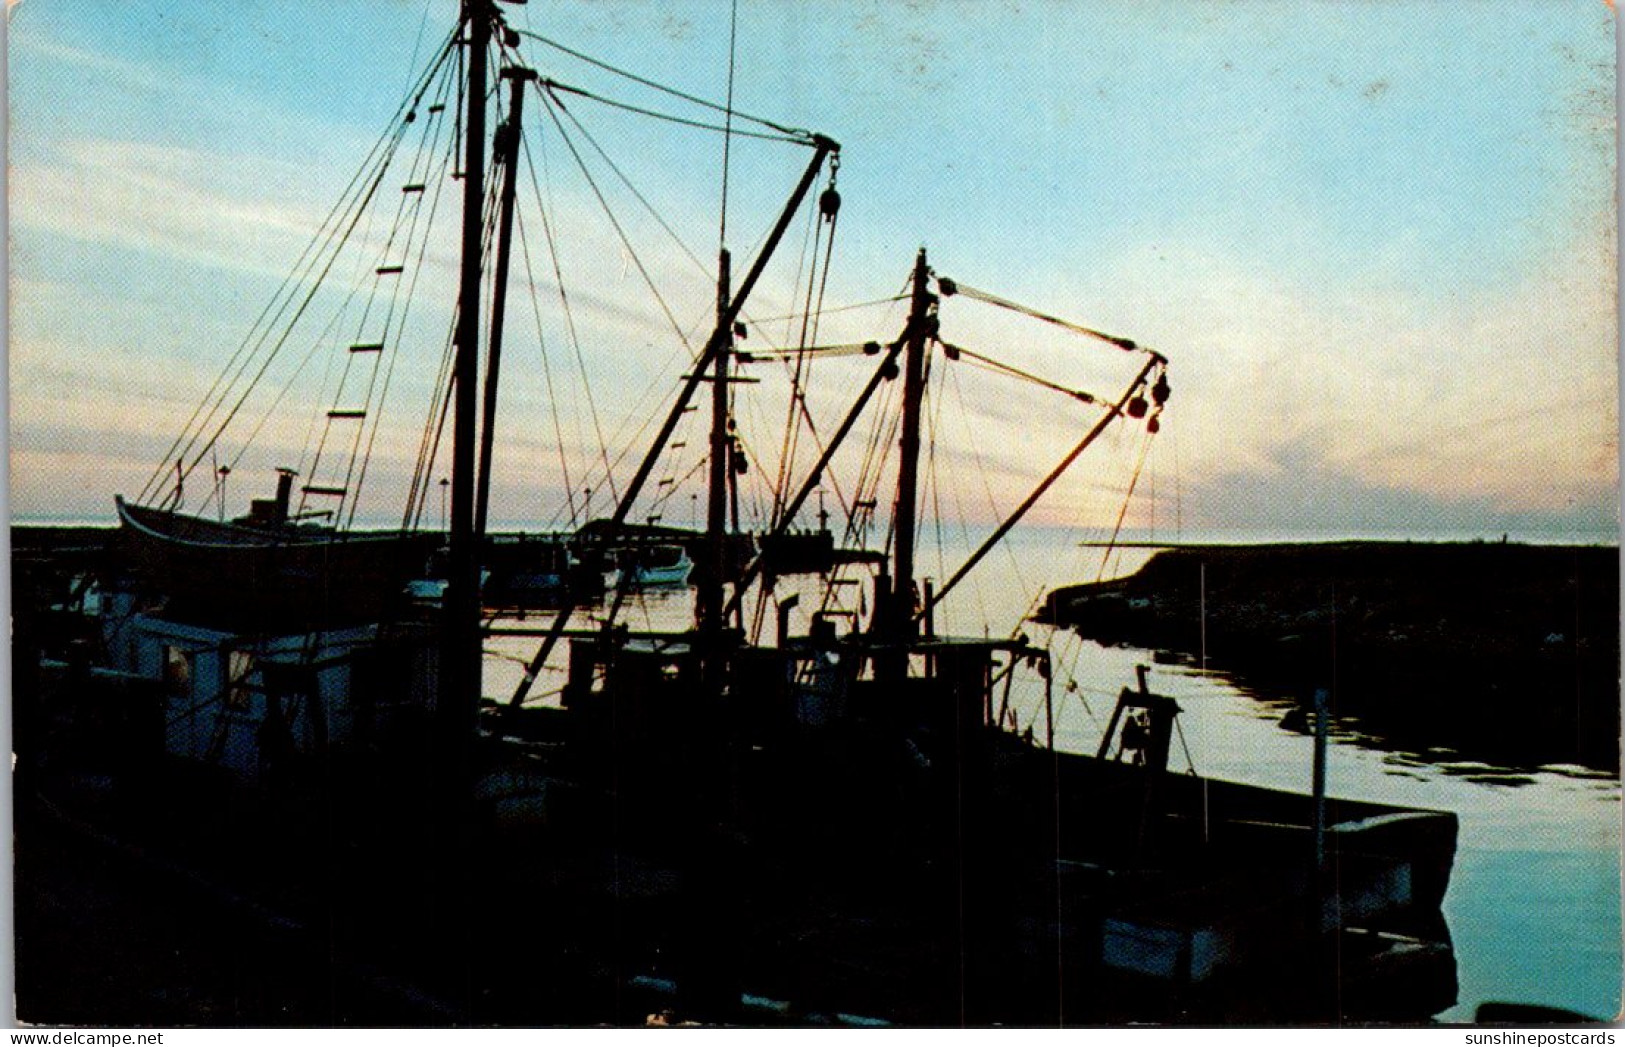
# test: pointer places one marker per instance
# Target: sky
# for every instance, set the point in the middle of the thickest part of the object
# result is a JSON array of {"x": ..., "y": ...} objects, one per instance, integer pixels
[{"x": 1376, "y": 242}]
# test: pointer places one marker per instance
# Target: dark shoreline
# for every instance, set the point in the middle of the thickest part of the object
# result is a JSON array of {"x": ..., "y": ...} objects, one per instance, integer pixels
[{"x": 1503, "y": 652}]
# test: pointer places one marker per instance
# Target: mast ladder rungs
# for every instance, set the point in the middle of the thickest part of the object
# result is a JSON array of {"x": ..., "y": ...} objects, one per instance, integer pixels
[
  {"x": 367, "y": 347},
  {"x": 336, "y": 492},
  {"x": 733, "y": 379},
  {"x": 347, "y": 414},
  {"x": 414, "y": 187},
  {"x": 390, "y": 270}
]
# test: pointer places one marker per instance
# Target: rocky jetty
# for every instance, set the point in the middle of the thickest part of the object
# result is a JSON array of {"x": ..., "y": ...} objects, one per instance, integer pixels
[{"x": 1507, "y": 653}]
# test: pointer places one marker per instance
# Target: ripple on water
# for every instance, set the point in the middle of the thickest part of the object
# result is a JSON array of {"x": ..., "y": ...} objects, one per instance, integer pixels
[
  {"x": 1571, "y": 770},
  {"x": 1510, "y": 781},
  {"x": 1466, "y": 768}
]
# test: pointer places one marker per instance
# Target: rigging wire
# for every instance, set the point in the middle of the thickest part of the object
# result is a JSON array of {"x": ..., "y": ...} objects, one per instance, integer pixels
[
  {"x": 951, "y": 287},
  {"x": 987, "y": 484},
  {"x": 782, "y": 483},
  {"x": 282, "y": 341},
  {"x": 654, "y": 213},
  {"x": 829, "y": 310},
  {"x": 351, "y": 496},
  {"x": 259, "y": 330},
  {"x": 346, "y": 498},
  {"x": 811, "y": 318},
  {"x": 547, "y": 372},
  {"x": 1128, "y": 497},
  {"x": 795, "y": 133},
  {"x": 549, "y": 84},
  {"x": 399, "y": 337},
  {"x": 332, "y": 242},
  {"x": 552, "y": 103},
  {"x": 570, "y": 323},
  {"x": 1012, "y": 371}
]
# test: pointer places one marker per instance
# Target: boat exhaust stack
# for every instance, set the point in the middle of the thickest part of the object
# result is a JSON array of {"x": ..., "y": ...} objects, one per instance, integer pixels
[{"x": 284, "y": 495}]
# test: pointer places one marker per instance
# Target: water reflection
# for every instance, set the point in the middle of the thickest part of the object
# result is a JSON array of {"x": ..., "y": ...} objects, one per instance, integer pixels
[{"x": 1534, "y": 901}]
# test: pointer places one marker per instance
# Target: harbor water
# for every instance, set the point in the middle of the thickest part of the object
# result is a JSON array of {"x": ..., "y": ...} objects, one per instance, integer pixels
[{"x": 1534, "y": 899}]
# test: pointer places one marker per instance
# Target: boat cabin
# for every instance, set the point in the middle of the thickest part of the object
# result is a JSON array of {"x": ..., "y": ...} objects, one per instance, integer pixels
[{"x": 251, "y": 704}]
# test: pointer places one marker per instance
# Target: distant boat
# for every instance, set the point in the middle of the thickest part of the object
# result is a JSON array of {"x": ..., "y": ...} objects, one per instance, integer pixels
[{"x": 657, "y": 566}]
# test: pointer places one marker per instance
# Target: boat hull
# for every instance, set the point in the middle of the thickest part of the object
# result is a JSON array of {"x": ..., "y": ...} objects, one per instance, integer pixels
[{"x": 270, "y": 578}]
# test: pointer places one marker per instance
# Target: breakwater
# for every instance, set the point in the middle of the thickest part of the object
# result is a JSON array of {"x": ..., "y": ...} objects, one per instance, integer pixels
[{"x": 1504, "y": 652}]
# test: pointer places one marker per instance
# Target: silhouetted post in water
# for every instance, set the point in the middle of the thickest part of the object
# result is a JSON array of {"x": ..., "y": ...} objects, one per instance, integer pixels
[
  {"x": 1323, "y": 895},
  {"x": 1201, "y": 603},
  {"x": 1318, "y": 780}
]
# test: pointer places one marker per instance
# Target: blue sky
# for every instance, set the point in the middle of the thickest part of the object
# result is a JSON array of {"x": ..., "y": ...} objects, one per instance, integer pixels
[{"x": 1375, "y": 239}]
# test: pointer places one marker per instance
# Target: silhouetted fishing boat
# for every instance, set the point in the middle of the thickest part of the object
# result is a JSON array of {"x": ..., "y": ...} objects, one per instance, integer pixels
[
  {"x": 259, "y": 576},
  {"x": 849, "y": 823}
]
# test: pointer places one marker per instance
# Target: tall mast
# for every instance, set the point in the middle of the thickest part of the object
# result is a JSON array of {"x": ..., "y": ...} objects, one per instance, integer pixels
[
  {"x": 900, "y": 625},
  {"x": 716, "y": 514},
  {"x": 506, "y": 154},
  {"x": 458, "y": 702}
]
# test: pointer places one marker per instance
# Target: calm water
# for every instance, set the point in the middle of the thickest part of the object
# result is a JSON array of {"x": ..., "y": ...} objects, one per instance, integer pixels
[{"x": 1534, "y": 902}]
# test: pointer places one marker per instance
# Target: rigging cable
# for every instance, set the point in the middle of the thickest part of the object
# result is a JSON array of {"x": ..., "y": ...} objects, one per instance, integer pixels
[
  {"x": 261, "y": 327},
  {"x": 446, "y": 380},
  {"x": 795, "y": 133},
  {"x": 547, "y": 373},
  {"x": 952, "y": 287},
  {"x": 829, "y": 206},
  {"x": 654, "y": 213},
  {"x": 551, "y": 85},
  {"x": 282, "y": 341},
  {"x": 1012, "y": 371},
  {"x": 351, "y": 496},
  {"x": 570, "y": 324},
  {"x": 553, "y": 102},
  {"x": 345, "y": 497},
  {"x": 400, "y": 328},
  {"x": 361, "y": 208},
  {"x": 826, "y": 311},
  {"x": 1128, "y": 496},
  {"x": 987, "y": 487},
  {"x": 783, "y": 480}
]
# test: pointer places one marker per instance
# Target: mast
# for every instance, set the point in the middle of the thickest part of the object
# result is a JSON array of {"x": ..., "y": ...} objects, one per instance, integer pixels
[
  {"x": 900, "y": 625},
  {"x": 716, "y": 520},
  {"x": 506, "y": 154},
  {"x": 458, "y": 699}
]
